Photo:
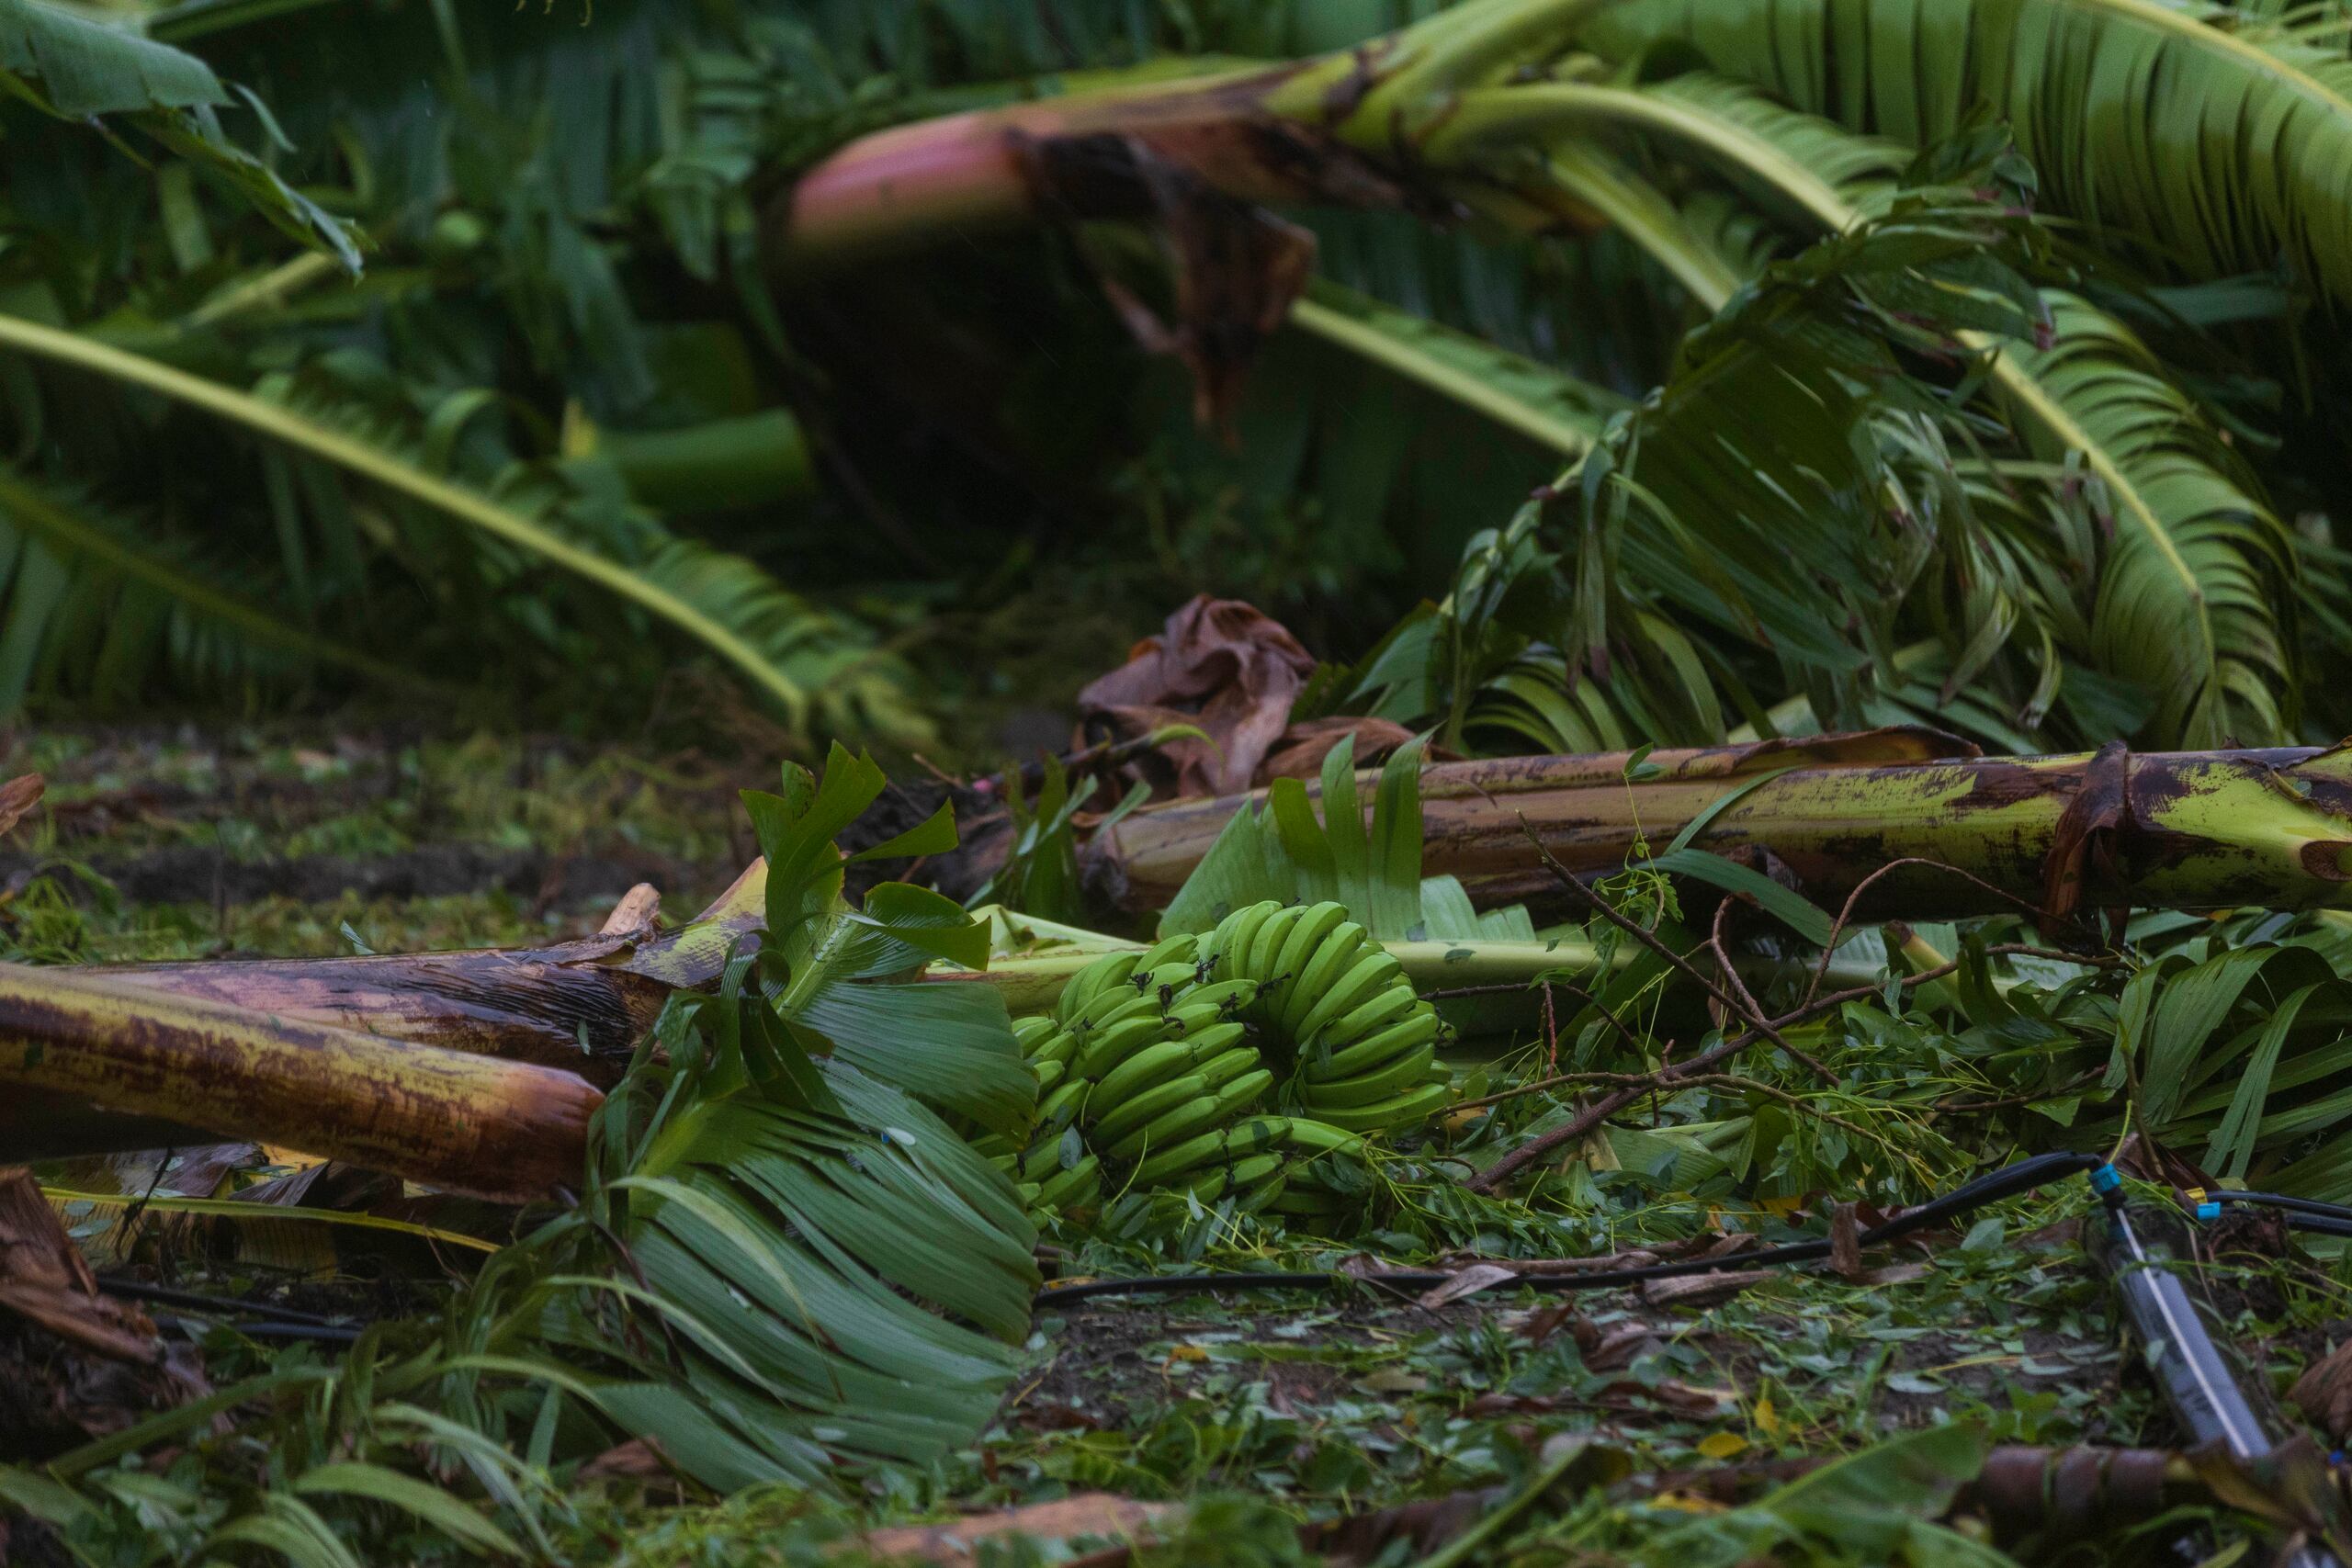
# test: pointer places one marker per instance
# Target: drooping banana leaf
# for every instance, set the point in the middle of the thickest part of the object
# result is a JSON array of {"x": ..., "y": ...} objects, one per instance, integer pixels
[
  {"x": 70, "y": 64},
  {"x": 91, "y": 600},
  {"x": 798, "y": 1244},
  {"x": 811, "y": 664},
  {"x": 2192, "y": 547},
  {"x": 2209, "y": 135}
]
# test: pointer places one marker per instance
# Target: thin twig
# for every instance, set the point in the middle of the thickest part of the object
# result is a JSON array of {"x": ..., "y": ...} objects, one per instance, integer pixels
[
  {"x": 1677, "y": 1075},
  {"x": 1609, "y": 1105},
  {"x": 2012, "y": 1102},
  {"x": 1454, "y": 992},
  {"x": 1649, "y": 939},
  {"x": 1722, "y": 956},
  {"x": 1846, "y": 912},
  {"x": 1552, "y": 1031}
]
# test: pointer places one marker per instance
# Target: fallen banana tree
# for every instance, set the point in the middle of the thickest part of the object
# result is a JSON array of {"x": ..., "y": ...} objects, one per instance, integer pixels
[
  {"x": 508, "y": 1131},
  {"x": 1911, "y": 820},
  {"x": 1916, "y": 822}
]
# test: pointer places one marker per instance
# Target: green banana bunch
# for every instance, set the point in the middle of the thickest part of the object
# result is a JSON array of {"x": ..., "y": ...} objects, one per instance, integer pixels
[
  {"x": 1362, "y": 1044},
  {"x": 1151, "y": 1073}
]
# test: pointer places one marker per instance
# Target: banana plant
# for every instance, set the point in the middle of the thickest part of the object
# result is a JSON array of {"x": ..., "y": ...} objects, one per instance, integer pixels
[
  {"x": 2053, "y": 515},
  {"x": 383, "y": 503}
]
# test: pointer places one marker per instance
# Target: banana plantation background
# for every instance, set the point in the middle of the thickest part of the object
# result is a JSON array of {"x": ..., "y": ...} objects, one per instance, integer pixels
[{"x": 1602, "y": 685}]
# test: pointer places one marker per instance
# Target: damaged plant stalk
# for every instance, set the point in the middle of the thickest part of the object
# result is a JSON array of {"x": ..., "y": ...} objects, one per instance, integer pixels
[
  {"x": 1917, "y": 822},
  {"x": 1205, "y": 156},
  {"x": 511, "y": 1132}
]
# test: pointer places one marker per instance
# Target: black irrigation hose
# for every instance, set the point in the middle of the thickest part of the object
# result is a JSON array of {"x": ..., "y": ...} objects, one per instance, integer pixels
[
  {"x": 2214, "y": 1196},
  {"x": 277, "y": 1322},
  {"x": 2304, "y": 1214},
  {"x": 2010, "y": 1179},
  {"x": 140, "y": 1290},
  {"x": 2319, "y": 1225},
  {"x": 312, "y": 1332}
]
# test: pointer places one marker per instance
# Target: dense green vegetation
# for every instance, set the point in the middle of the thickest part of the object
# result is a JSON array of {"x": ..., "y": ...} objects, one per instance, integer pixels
[{"x": 491, "y": 437}]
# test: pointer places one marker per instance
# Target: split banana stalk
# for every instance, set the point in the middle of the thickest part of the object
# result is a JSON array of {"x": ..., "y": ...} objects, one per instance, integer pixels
[{"x": 506, "y": 1131}]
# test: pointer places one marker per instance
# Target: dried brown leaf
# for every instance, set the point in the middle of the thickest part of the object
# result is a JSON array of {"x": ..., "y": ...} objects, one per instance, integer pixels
[
  {"x": 1469, "y": 1283},
  {"x": 2325, "y": 1392},
  {"x": 17, "y": 796},
  {"x": 1845, "y": 1243},
  {"x": 1221, "y": 664},
  {"x": 1702, "y": 1290}
]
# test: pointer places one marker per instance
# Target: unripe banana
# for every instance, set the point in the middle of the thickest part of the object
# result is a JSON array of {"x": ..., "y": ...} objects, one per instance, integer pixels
[
  {"x": 1181, "y": 948},
  {"x": 1105, "y": 1130},
  {"x": 1367, "y": 1054},
  {"x": 1143, "y": 991},
  {"x": 1228, "y": 945},
  {"x": 1091, "y": 982},
  {"x": 1376, "y": 1014},
  {"x": 1257, "y": 1172},
  {"x": 1364, "y": 1088},
  {"x": 1049, "y": 1073},
  {"x": 1403, "y": 1109},
  {"x": 1059, "y": 1107},
  {"x": 1165, "y": 984},
  {"x": 1177, "y": 1158},
  {"x": 1242, "y": 1092},
  {"x": 1210, "y": 1188},
  {"x": 994, "y": 1145},
  {"x": 1171, "y": 1127},
  {"x": 1059, "y": 1046},
  {"x": 1341, "y": 949},
  {"x": 1255, "y": 1134},
  {"x": 1120, "y": 1003},
  {"x": 1031, "y": 1033},
  {"x": 1376, "y": 968},
  {"x": 1306, "y": 1202},
  {"x": 1321, "y": 1137},
  {"x": 1153, "y": 1066},
  {"x": 1108, "y": 1047},
  {"x": 1043, "y": 1159},
  {"x": 1210, "y": 1043},
  {"x": 1075, "y": 1187},
  {"x": 1268, "y": 940},
  {"x": 1147, "y": 1068},
  {"x": 1212, "y": 1003},
  {"x": 1226, "y": 1066},
  {"x": 1305, "y": 935}
]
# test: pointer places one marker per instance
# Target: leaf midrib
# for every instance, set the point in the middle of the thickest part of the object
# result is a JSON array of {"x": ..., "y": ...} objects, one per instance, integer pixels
[{"x": 299, "y": 430}]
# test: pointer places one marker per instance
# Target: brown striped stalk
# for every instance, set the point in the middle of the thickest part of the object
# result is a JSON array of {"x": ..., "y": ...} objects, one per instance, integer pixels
[
  {"x": 506, "y": 1131},
  {"x": 1933, "y": 828},
  {"x": 581, "y": 1005}
]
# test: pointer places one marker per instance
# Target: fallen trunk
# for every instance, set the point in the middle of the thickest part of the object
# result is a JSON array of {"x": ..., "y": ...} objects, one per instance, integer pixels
[
  {"x": 505, "y": 1130},
  {"x": 1933, "y": 829},
  {"x": 580, "y": 1005}
]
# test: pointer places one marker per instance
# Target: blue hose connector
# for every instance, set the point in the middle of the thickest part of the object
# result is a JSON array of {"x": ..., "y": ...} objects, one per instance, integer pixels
[{"x": 2106, "y": 1180}]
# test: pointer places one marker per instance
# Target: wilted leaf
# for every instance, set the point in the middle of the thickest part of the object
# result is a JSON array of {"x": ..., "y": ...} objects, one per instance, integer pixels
[{"x": 17, "y": 796}]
